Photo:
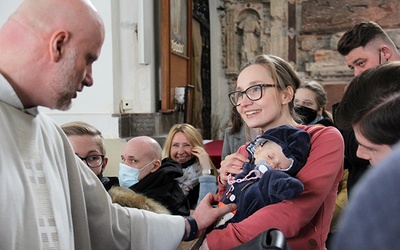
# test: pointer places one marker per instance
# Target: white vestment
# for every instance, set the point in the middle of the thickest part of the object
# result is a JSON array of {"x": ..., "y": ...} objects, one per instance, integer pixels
[{"x": 49, "y": 199}]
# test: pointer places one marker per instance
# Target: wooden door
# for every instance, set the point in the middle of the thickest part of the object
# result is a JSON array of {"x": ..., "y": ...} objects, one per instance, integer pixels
[{"x": 176, "y": 23}]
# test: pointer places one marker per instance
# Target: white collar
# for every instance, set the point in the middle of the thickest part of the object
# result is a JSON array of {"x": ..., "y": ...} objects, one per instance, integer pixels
[{"x": 9, "y": 96}]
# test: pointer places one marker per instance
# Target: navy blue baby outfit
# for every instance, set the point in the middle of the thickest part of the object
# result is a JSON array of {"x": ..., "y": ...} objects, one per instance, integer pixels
[{"x": 272, "y": 186}]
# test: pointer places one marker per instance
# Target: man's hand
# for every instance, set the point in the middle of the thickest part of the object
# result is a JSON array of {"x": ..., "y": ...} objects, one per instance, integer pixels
[{"x": 206, "y": 215}]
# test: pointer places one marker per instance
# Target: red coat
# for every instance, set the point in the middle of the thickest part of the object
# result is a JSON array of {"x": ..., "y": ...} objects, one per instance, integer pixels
[{"x": 305, "y": 221}]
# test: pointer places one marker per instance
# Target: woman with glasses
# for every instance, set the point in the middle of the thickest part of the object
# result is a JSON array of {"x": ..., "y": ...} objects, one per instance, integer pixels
[
  {"x": 88, "y": 144},
  {"x": 264, "y": 98}
]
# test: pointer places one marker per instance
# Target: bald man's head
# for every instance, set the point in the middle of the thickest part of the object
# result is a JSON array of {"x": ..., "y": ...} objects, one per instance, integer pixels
[
  {"x": 44, "y": 15},
  {"x": 146, "y": 145},
  {"x": 55, "y": 43},
  {"x": 140, "y": 152}
]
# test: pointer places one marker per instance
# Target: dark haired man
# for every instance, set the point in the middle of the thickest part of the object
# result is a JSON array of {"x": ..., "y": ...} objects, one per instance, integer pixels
[{"x": 363, "y": 46}]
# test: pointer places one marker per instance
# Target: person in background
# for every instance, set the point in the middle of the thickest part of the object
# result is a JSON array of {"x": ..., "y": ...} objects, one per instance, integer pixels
[
  {"x": 363, "y": 46},
  {"x": 88, "y": 144},
  {"x": 142, "y": 171},
  {"x": 310, "y": 104},
  {"x": 184, "y": 144},
  {"x": 237, "y": 134},
  {"x": 310, "y": 101},
  {"x": 47, "y": 51},
  {"x": 264, "y": 97},
  {"x": 370, "y": 106},
  {"x": 366, "y": 45}
]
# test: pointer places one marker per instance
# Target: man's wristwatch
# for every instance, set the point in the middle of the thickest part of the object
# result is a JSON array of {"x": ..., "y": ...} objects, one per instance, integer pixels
[
  {"x": 207, "y": 171},
  {"x": 193, "y": 229}
]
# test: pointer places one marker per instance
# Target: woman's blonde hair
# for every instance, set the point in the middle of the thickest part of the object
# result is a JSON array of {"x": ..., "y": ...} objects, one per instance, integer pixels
[{"x": 191, "y": 133}]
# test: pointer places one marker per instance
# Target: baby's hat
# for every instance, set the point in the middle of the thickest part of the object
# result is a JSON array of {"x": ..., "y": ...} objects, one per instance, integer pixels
[{"x": 295, "y": 144}]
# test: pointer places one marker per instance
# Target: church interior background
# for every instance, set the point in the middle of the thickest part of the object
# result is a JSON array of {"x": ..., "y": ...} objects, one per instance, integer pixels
[
  {"x": 220, "y": 36},
  {"x": 304, "y": 32}
]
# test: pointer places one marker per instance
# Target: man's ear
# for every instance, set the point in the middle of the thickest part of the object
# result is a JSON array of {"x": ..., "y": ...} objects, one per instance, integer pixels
[
  {"x": 156, "y": 166},
  {"x": 287, "y": 95},
  {"x": 104, "y": 163},
  {"x": 386, "y": 53},
  {"x": 58, "y": 41}
]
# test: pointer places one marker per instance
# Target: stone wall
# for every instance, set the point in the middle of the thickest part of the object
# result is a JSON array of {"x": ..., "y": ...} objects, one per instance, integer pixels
[
  {"x": 310, "y": 38},
  {"x": 304, "y": 32},
  {"x": 322, "y": 23}
]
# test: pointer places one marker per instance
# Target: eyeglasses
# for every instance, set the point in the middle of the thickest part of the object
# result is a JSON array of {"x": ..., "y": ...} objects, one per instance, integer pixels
[
  {"x": 254, "y": 93},
  {"x": 93, "y": 161}
]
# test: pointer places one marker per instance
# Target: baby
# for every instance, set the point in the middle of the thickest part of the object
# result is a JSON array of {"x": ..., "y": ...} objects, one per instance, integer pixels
[{"x": 283, "y": 148}]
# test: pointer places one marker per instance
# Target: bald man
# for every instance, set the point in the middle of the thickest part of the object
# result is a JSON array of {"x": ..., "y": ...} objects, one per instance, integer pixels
[
  {"x": 49, "y": 198},
  {"x": 142, "y": 170}
]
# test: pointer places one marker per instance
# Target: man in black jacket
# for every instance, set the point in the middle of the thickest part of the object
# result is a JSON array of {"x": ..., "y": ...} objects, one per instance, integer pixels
[
  {"x": 363, "y": 46},
  {"x": 142, "y": 170}
]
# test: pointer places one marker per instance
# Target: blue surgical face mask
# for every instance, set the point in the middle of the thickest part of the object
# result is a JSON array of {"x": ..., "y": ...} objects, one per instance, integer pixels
[{"x": 129, "y": 176}]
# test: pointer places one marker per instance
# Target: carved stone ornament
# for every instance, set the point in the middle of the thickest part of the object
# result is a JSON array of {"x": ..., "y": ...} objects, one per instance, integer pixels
[{"x": 245, "y": 33}]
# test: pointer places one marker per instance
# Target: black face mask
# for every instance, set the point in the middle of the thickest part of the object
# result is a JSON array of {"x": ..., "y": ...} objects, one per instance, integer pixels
[{"x": 307, "y": 115}]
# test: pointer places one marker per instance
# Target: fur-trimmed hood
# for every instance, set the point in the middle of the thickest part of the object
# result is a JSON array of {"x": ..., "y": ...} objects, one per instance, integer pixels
[{"x": 128, "y": 198}]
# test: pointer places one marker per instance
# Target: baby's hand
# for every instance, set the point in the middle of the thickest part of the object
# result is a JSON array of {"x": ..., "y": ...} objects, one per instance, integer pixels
[{"x": 231, "y": 165}]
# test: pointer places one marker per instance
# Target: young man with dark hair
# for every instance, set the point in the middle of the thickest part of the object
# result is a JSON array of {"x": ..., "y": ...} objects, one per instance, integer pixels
[
  {"x": 366, "y": 45},
  {"x": 363, "y": 46}
]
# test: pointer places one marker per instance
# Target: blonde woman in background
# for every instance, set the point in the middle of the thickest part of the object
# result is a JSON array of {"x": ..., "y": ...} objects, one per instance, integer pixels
[{"x": 184, "y": 144}]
